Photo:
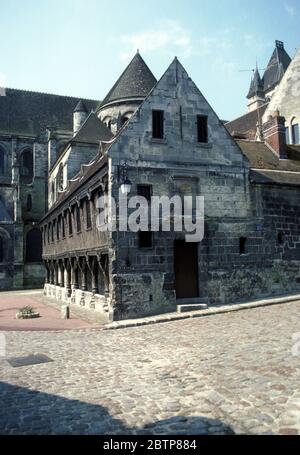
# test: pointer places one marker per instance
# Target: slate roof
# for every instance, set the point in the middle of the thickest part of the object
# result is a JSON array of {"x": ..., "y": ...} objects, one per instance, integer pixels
[
  {"x": 246, "y": 124},
  {"x": 136, "y": 81},
  {"x": 256, "y": 85},
  {"x": 28, "y": 113},
  {"x": 81, "y": 107},
  {"x": 92, "y": 131},
  {"x": 86, "y": 173},
  {"x": 277, "y": 66},
  {"x": 266, "y": 167}
]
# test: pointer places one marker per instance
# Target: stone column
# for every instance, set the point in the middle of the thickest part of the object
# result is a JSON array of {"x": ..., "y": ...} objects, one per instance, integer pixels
[
  {"x": 103, "y": 266},
  {"x": 47, "y": 274},
  {"x": 61, "y": 271},
  {"x": 92, "y": 265},
  {"x": 93, "y": 268},
  {"x": 74, "y": 273},
  {"x": 67, "y": 266},
  {"x": 82, "y": 266},
  {"x": 51, "y": 274},
  {"x": 55, "y": 273}
]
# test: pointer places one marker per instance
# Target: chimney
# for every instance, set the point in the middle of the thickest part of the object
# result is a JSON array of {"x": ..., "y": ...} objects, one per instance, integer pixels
[
  {"x": 79, "y": 116},
  {"x": 274, "y": 134}
]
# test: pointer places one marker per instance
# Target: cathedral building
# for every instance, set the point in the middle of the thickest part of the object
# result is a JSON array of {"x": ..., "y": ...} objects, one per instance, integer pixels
[
  {"x": 30, "y": 123},
  {"x": 155, "y": 138}
]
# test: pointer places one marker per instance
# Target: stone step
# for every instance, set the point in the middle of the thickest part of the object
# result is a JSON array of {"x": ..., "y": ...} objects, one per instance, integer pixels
[
  {"x": 197, "y": 304},
  {"x": 191, "y": 301}
]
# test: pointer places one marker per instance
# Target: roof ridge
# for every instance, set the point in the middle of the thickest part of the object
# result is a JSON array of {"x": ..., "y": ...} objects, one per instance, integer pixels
[
  {"x": 247, "y": 113},
  {"x": 50, "y": 94}
]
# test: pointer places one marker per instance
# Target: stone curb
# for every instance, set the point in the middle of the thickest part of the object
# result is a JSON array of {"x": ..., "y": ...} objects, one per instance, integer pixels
[{"x": 199, "y": 313}]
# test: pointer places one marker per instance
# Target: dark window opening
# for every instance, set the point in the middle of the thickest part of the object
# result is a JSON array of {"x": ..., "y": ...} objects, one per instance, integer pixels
[
  {"x": 202, "y": 128},
  {"x": 48, "y": 232},
  {"x": 26, "y": 170},
  {"x": 58, "y": 228},
  {"x": 124, "y": 120},
  {"x": 29, "y": 203},
  {"x": 145, "y": 191},
  {"x": 45, "y": 234},
  {"x": 54, "y": 231},
  {"x": 88, "y": 214},
  {"x": 158, "y": 124},
  {"x": 280, "y": 238},
  {"x": 1, "y": 250},
  {"x": 63, "y": 226},
  {"x": 145, "y": 239},
  {"x": 78, "y": 219},
  {"x": 243, "y": 241},
  {"x": 2, "y": 162},
  {"x": 34, "y": 246},
  {"x": 70, "y": 222}
]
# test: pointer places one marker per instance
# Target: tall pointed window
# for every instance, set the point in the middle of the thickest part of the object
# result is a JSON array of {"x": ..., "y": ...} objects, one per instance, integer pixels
[{"x": 26, "y": 170}]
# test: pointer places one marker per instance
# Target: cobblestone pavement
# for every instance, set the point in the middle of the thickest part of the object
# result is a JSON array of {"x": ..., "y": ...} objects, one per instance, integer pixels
[{"x": 236, "y": 372}]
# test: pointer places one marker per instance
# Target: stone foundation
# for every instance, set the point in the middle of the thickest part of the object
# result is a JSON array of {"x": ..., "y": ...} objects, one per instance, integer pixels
[
  {"x": 244, "y": 283},
  {"x": 84, "y": 299}
]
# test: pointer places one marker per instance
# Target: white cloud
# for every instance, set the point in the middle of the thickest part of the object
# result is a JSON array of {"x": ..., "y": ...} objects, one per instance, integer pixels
[
  {"x": 168, "y": 36},
  {"x": 289, "y": 9}
]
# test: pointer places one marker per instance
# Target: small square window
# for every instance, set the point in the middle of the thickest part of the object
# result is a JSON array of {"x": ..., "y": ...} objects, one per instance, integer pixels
[
  {"x": 145, "y": 239},
  {"x": 202, "y": 128}
]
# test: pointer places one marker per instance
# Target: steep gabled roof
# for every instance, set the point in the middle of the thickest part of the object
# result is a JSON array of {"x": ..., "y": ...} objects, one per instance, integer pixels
[
  {"x": 28, "y": 113},
  {"x": 136, "y": 81},
  {"x": 277, "y": 66},
  {"x": 92, "y": 131}
]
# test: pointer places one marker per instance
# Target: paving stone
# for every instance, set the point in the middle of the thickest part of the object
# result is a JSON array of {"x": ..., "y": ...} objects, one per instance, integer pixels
[{"x": 231, "y": 372}]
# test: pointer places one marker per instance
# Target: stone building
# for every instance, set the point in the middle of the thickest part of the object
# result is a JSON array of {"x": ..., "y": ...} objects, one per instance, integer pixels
[
  {"x": 165, "y": 139},
  {"x": 261, "y": 92},
  {"x": 29, "y": 123},
  {"x": 262, "y": 89}
]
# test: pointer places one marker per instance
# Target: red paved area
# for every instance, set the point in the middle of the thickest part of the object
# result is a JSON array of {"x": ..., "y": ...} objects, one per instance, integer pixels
[{"x": 11, "y": 302}]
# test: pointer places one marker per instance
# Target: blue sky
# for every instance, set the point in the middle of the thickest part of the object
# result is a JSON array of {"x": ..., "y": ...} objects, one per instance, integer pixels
[{"x": 80, "y": 47}]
